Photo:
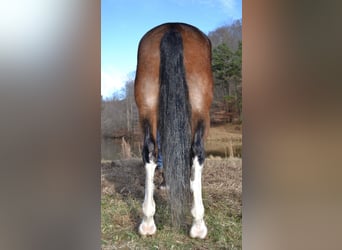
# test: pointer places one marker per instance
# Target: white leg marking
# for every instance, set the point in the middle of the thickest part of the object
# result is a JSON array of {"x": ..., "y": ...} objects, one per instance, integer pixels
[
  {"x": 147, "y": 226},
  {"x": 198, "y": 229}
]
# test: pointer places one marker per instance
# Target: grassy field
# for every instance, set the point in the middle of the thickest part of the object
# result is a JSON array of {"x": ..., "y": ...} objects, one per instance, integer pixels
[{"x": 123, "y": 194}]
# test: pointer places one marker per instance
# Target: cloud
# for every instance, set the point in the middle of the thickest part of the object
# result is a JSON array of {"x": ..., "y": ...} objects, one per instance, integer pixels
[
  {"x": 230, "y": 6},
  {"x": 227, "y": 5},
  {"x": 112, "y": 82}
]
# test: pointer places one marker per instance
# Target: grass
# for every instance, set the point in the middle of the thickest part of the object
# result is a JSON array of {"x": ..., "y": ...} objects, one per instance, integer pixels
[
  {"x": 122, "y": 197},
  {"x": 119, "y": 228}
]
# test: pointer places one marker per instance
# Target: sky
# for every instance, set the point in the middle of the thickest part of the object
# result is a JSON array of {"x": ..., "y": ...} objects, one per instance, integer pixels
[{"x": 124, "y": 22}]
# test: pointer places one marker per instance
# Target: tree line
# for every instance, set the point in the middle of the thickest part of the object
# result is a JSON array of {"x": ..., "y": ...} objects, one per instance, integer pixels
[
  {"x": 119, "y": 115},
  {"x": 227, "y": 65}
]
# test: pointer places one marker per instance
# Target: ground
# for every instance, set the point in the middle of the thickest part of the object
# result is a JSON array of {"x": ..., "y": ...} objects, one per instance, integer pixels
[{"x": 123, "y": 194}]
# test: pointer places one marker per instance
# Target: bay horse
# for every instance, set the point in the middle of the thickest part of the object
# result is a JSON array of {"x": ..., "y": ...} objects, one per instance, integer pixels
[{"x": 173, "y": 92}]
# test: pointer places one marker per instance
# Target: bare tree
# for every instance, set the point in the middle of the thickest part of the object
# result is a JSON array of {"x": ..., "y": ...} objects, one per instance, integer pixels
[
  {"x": 231, "y": 35},
  {"x": 119, "y": 116}
]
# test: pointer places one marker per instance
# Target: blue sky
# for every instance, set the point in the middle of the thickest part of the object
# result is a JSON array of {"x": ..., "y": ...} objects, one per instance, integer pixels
[{"x": 124, "y": 22}]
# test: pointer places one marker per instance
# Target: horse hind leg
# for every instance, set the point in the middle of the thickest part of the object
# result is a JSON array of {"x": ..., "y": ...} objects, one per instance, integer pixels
[
  {"x": 198, "y": 228},
  {"x": 147, "y": 226}
]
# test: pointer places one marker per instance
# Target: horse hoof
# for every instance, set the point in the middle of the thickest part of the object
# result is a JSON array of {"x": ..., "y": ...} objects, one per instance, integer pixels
[
  {"x": 198, "y": 230},
  {"x": 147, "y": 228}
]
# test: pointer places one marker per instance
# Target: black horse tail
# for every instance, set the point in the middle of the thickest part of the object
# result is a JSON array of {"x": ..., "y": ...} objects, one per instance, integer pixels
[{"x": 174, "y": 124}]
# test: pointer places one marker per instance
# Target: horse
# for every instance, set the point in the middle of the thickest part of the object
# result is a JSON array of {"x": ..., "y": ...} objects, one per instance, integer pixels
[{"x": 173, "y": 91}]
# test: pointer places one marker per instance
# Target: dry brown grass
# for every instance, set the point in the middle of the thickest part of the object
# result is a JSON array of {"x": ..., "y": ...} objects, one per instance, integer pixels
[
  {"x": 126, "y": 152},
  {"x": 225, "y": 141},
  {"x": 222, "y": 181}
]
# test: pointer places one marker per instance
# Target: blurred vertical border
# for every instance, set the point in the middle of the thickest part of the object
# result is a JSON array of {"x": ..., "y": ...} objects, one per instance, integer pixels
[
  {"x": 291, "y": 125},
  {"x": 50, "y": 124}
]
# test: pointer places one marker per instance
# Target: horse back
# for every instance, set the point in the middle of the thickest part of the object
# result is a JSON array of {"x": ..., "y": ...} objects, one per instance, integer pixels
[{"x": 197, "y": 63}]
